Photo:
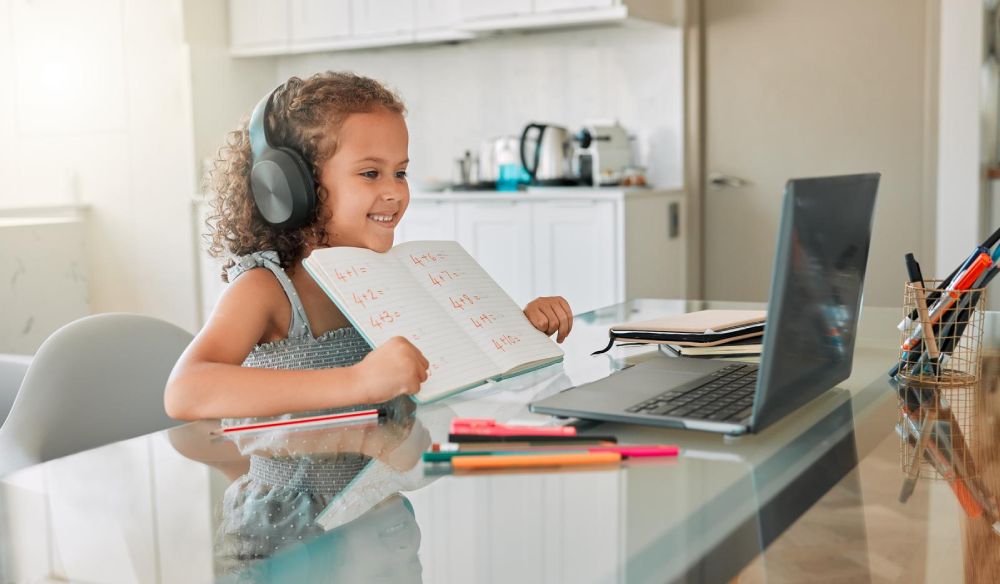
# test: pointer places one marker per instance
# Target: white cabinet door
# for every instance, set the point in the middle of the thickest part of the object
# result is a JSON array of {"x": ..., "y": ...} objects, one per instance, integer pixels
[
  {"x": 436, "y": 14},
  {"x": 381, "y": 17},
  {"x": 485, "y": 9},
  {"x": 427, "y": 220},
  {"x": 319, "y": 20},
  {"x": 558, "y": 5},
  {"x": 498, "y": 235},
  {"x": 258, "y": 24},
  {"x": 575, "y": 252}
]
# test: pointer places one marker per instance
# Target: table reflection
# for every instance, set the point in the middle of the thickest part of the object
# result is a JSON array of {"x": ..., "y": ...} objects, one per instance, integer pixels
[{"x": 319, "y": 504}]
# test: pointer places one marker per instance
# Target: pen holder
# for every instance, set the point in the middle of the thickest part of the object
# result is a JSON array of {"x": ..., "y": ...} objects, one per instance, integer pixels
[{"x": 939, "y": 381}]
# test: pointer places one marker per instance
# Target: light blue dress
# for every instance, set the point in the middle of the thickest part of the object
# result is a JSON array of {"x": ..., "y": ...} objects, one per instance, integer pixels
[{"x": 277, "y": 502}]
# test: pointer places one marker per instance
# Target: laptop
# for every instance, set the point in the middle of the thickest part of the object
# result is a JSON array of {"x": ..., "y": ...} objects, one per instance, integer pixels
[{"x": 808, "y": 345}]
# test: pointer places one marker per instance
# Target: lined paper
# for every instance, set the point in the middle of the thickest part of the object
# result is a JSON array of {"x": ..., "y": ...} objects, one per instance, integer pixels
[
  {"x": 476, "y": 303},
  {"x": 384, "y": 301}
]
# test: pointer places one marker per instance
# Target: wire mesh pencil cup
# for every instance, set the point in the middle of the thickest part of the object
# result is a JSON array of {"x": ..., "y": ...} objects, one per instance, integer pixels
[{"x": 939, "y": 380}]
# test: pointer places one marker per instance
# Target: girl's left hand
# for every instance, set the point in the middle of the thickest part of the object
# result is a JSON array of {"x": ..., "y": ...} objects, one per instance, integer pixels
[{"x": 550, "y": 314}]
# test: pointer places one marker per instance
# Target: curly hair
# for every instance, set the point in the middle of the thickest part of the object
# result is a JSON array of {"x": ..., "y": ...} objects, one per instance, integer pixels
[{"x": 305, "y": 115}]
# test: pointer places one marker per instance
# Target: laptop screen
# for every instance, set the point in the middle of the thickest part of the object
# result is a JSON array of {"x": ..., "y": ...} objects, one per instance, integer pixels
[{"x": 815, "y": 300}]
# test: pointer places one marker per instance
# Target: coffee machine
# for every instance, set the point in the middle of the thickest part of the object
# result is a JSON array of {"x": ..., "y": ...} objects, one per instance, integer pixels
[{"x": 602, "y": 153}]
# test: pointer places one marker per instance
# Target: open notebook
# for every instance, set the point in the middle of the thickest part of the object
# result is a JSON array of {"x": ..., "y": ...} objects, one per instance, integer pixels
[{"x": 438, "y": 297}]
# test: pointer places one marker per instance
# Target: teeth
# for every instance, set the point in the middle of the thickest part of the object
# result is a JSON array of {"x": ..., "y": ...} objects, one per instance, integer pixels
[{"x": 382, "y": 218}]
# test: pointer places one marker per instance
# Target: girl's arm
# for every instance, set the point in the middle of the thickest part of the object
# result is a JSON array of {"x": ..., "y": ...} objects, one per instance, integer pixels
[{"x": 208, "y": 380}]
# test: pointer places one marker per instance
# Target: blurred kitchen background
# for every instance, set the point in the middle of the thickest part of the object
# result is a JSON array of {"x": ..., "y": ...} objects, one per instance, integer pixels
[{"x": 664, "y": 132}]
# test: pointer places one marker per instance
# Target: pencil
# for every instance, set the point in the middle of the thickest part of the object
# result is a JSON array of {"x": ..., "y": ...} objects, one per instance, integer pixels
[{"x": 355, "y": 417}]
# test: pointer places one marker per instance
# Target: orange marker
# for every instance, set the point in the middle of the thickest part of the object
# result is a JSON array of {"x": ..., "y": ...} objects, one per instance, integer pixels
[{"x": 534, "y": 460}]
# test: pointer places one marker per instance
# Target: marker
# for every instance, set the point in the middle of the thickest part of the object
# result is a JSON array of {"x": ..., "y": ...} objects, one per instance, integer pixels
[
  {"x": 633, "y": 451},
  {"x": 952, "y": 293},
  {"x": 534, "y": 460},
  {"x": 490, "y": 427},
  {"x": 544, "y": 438}
]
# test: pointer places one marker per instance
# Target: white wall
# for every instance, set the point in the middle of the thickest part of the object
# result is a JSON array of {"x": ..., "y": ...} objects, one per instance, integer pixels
[
  {"x": 459, "y": 95},
  {"x": 95, "y": 108},
  {"x": 959, "y": 197}
]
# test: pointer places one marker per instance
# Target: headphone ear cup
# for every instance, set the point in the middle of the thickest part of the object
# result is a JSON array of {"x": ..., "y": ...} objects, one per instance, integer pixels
[{"x": 283, "y": 188}]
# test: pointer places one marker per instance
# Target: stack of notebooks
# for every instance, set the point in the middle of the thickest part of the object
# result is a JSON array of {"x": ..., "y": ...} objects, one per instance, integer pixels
[{"x": 714, "y": 333}]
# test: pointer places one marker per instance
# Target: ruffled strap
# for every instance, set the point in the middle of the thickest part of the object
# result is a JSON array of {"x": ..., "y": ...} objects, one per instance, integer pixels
[{"x": 299, "y": 325}]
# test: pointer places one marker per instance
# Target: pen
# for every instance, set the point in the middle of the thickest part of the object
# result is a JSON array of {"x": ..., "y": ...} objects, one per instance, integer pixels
[
  {"x": 631, "y": 451},
  {"x": 948, "y": 297},
  {"x": 462, "y": 438},
  {"x": 355, "y": 417},
  {"x": 985, "y": 246},
  {"x": 534, "y": 460}
]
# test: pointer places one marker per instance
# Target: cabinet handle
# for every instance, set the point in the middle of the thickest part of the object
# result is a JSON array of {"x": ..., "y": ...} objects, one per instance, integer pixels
[{"x": 673, "y": 220}]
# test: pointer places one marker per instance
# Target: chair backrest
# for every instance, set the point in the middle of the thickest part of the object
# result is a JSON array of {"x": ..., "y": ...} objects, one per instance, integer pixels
[
  {"x": 96, "y": 380},
  {"x": 12, "y": 370}
]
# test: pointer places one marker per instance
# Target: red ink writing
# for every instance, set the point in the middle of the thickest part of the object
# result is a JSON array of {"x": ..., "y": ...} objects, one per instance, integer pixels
[
  {"x": 501, "y": 344},
  {"x": 463, "y": 300},
  {"x": 426, "y": 258},
  {"x": 383, "y": 318},
  {"x": 348, "y": 273},
  {"x": 442, "y": 277},
  {"x": 482, "y": 319},
  {"x": 369, "y": 295}
]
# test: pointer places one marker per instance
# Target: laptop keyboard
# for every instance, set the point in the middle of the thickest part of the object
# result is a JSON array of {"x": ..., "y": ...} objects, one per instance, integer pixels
[{"x": 725, "y": 395}]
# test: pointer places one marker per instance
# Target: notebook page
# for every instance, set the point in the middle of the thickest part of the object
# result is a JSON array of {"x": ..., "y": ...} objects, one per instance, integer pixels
[
  {"x": 469, "y": 296},
  {"x": 383, "y": 301}
]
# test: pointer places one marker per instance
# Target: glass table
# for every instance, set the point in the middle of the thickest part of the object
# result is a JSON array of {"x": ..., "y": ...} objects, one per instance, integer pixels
[{"x": 813, "y": 497}]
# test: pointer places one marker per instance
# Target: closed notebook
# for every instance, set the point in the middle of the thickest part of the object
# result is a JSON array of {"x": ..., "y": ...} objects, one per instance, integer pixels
[
  {"x": 704, "y": 328},
  {"x": 741, "y": 348},
  {"x": 434, "y": 294}
]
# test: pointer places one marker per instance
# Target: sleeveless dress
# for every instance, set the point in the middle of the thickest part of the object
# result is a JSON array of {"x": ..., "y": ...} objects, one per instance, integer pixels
[{"x": 279, "y": 499}]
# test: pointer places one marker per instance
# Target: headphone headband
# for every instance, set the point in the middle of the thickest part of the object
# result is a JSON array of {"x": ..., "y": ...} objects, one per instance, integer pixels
[{"x": 259, "y": 140}]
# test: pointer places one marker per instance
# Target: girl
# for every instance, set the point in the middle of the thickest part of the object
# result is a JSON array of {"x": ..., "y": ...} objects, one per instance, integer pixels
[{"x": 258, "y": 355}]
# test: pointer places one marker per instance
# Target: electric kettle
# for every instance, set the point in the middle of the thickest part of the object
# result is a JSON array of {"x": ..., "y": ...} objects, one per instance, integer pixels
[{"x": 548, "y": 156}]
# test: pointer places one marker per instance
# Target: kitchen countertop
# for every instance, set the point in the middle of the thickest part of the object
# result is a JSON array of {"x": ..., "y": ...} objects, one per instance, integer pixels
[{"x": 551, "y": 193}]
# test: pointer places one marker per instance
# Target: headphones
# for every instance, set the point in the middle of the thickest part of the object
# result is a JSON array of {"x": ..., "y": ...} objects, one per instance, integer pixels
[{"x": 281, "y": 180}]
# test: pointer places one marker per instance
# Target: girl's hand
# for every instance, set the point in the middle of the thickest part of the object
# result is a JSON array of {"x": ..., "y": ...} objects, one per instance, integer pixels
[
  {"x": 396, "y": 368},
  {"x": 550, "y": 314}
]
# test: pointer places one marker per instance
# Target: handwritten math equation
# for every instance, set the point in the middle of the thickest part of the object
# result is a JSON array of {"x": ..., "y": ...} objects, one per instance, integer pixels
[
  {"x": 504, "y": 341},
  {"x": 482, "y": 320},
  {"x": 442, "y": 277},
  {"x": 384, "y": 318},
  {"x": 366, "y": 297},
  {"x": 350, "y": 273},
  {"x": 464, "y": 300},
  {"x": 427, "y": 258}
]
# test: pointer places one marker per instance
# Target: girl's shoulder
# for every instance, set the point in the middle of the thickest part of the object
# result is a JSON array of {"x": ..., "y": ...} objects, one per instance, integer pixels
[{"x": 255, "y": 290}]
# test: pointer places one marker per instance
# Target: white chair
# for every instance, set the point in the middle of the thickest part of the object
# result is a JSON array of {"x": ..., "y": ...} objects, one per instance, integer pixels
[
  {"x": 96, "y": 380},
  {"x": 12, "y": 369}
]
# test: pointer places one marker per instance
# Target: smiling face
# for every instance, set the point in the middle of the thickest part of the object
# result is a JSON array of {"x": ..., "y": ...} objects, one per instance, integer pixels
[{"x": 365, "y": 186}]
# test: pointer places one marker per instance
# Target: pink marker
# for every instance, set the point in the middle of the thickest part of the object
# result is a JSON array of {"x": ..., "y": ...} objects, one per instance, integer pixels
[
  {"x": 639, "y": 451},
  {"x": 489, "y": 427}
]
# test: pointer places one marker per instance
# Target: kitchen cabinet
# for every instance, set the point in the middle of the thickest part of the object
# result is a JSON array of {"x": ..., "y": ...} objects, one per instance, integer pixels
[
  {"x": 593, "y": 246},
  {"x": 498, "y": 235},
  {"x": 281, "y": 27},
  {"x": 427, "y": 219},
  {"x": 575, "y": 252},
  {"x": 482, "y": 9},
  {"x": 316, "y": 21},
  {"x": 259, "y": 26},
  {"x": 381, "y": 17}
]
